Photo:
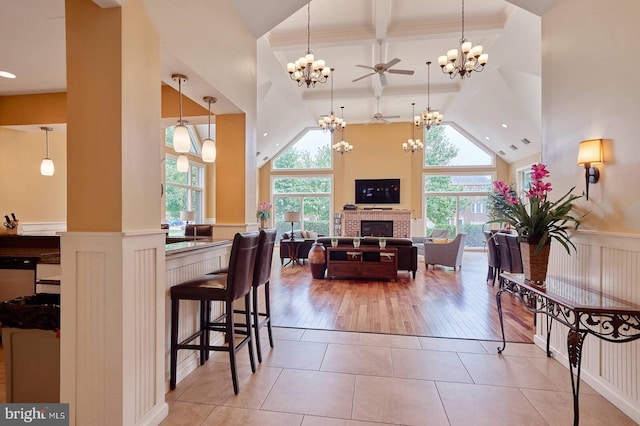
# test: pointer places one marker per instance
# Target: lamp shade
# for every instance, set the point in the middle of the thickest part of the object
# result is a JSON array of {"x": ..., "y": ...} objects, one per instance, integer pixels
[
  {"x": 209, "y": 151},
  {"x": 46, "y": 167},
  {"x": 590, "y": 151},
  {"x": 181, "y": 139},
  {"x": 187, "y": 215},
  {"x": 182, "y": 164},
  {"x": 292, "y": 216}
]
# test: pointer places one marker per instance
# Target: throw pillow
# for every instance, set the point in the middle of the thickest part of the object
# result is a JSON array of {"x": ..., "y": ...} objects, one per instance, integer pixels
[{"x": 313, "y": 235}]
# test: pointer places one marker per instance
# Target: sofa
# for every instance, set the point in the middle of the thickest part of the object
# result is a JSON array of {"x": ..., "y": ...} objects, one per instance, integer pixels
[
  {"x": 407, "y": 252},
  {"x": 309, "y": 238}
]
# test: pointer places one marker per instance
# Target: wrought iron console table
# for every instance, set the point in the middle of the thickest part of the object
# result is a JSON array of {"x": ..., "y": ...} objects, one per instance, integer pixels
[{"x": 583, "y": 311}]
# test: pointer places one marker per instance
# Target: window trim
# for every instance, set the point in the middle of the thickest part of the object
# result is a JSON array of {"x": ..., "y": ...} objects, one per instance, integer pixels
[{"x": 188, "y": 186}]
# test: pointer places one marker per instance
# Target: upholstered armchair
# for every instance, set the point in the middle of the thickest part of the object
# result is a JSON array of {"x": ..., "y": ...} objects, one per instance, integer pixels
[{"x": 445, "y": 254}]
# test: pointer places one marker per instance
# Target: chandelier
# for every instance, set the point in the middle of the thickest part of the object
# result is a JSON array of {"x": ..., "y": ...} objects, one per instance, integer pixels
[
  {"x": 429, "y": 118},
  {"x": 308, "y": 70},
  {"x": 331, "y": 122},
  {"x": 342, "y": 147},
  {"x": 465, "y": 60},
  {"x": 412, "y": 145}
]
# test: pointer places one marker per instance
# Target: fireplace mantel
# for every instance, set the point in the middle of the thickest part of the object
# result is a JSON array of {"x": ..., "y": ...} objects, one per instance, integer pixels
[{"x": 401, "y": 221}]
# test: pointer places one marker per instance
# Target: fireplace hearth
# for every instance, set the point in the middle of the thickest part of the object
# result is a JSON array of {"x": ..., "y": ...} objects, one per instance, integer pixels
[{"x": 376, "y": 228}]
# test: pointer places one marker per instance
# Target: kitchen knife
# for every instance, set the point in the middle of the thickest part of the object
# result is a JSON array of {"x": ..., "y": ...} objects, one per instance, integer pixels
[
  {"x": 7, "y": 218},
  {"x": 14, "y": 217}
]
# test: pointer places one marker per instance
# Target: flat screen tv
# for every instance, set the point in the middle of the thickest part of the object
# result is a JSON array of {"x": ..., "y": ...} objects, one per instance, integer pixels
[{"x": 377, "y": 191}]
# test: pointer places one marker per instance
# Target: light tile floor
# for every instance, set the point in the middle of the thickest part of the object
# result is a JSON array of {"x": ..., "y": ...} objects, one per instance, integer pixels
[{"x": 317, "y": 377}]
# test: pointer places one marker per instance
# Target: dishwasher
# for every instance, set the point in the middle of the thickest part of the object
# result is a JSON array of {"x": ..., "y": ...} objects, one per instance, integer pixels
[{"x": 17, "y": 277}]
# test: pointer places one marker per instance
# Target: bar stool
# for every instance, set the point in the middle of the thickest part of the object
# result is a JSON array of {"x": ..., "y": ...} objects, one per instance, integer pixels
[
  {"x": 261, "y": 276},
  {"x": 223, "y": 288}
]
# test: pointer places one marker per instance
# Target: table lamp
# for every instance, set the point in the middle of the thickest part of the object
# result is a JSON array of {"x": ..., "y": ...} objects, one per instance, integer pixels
[
  {"x": 187, "y": 215},
  {"x": 292, "y": 217}
]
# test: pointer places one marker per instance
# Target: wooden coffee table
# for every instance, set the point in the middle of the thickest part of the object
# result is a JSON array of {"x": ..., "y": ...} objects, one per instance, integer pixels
[{"x": 362, "y": 262}]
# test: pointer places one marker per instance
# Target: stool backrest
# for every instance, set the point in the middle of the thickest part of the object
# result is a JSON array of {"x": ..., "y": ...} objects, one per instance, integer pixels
[
  {"x": 262, "y": 271},
  {"x": 241, "y": 264}
]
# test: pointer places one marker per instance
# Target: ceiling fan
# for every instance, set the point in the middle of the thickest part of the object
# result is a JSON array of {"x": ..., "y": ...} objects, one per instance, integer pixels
[
  {"x": 381, "y": 68},
  {"x": 379, "y": 118}
]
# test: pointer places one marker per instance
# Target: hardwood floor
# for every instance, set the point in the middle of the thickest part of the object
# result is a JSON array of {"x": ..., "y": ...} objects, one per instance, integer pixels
[{"x": 440, "y": 302}]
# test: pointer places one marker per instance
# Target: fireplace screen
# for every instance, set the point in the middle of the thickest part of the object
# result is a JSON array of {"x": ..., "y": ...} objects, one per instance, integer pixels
[{"x": 376, "y": 228}]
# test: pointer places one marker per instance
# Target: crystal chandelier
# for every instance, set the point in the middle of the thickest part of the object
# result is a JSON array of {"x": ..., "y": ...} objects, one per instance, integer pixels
[
  {"x": 308, "y": 70},
  {"x": 412, "y": 145},
  {"x": 465, "y": 60},
  {"x": 429, "y": 118},
  {"x": 331, "y": 122},
  {"x": 342, "y": 147}
]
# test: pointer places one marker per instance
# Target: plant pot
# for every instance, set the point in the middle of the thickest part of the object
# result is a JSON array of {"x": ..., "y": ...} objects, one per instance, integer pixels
[
  {"x": 317, "y": 260},
  {"x": 534, "y": 264}
]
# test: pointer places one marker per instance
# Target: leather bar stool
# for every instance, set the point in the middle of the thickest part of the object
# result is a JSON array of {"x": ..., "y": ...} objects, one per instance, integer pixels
[
  {"x": 225, "y": 288},
  {"x": 261, "y": 276}
]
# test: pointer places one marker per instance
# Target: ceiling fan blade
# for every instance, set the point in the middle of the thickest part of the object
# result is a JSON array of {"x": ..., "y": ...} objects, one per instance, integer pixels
[
  {"x": 407, "y": 72},
  {"x": 364, "y": 76},
  {"x": 391, "y": 116},
  {"x": 370, "y": 121},
  {"x": 366, "y": 66},
  {"x": 391, "y": 63},
  {"x": 383, "y": 80},
  {"x": 385, "y": 121}
]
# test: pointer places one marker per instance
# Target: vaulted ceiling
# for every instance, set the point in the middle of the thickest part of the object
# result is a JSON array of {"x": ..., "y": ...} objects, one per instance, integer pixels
[{"x": 344, "y": 34}]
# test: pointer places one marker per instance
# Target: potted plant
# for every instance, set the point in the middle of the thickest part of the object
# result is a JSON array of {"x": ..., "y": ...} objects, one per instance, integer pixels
[
  {"x": 356, "y": 242},
  {"x": 535, "y": 219},
  {"x": 264, "y": 212},
  {"x": 334, "y": 242},
  {"x": 382, "y": 242}
]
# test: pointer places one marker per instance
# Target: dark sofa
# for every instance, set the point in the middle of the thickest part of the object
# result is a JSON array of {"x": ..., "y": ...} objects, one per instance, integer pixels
[{"x": 407, "y": 252}]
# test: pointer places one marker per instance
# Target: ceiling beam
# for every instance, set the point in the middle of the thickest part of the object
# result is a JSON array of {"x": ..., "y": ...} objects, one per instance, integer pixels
[
  {"x": 317, "y": 95},
  {"x": 106, "y": 4},
  {"x": 381, "y": 17}
]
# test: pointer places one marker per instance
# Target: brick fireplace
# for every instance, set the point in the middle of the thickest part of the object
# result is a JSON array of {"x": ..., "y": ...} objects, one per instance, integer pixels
[{"x": 401, "y": 220}]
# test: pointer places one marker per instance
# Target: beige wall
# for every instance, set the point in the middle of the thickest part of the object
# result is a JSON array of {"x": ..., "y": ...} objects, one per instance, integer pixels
[
  {"x": 516, "y": 165},
  {"x": 593, "y": 103},
  {"x": 25, "y": 192},
  {"x": 377, "y": 153}
]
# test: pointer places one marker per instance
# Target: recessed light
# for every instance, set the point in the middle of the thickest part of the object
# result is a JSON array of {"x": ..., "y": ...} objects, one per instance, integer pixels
[
  {"x": 504, "y": 125},
  {"x": 487, "y": 138},
  {"x": 265, "y": 133},
  {"x": 7, "y": 74},
  {"x": 278, "y": 144}
]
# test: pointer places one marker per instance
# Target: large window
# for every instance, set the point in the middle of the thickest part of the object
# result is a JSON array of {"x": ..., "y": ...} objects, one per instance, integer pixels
[
  {"x": 448, "y": 146},
  {"x": 311, "y": 151},
  {"x": 457, "y": 203},
  {"x": 309, "y": 195},
  {"x": 184, "y": 191}
]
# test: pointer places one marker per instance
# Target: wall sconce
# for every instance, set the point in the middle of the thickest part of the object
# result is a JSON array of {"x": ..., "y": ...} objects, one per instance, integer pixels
[
  {"x": 46, "y": 167},
  {"x": 589, "y": 152}
]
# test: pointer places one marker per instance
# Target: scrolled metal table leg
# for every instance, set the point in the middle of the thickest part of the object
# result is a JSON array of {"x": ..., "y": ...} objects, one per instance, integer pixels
[
  {"x": 499, "y": 304},
  {"x": 575, "y": 339},
  {"x": 549, "y": 324}
]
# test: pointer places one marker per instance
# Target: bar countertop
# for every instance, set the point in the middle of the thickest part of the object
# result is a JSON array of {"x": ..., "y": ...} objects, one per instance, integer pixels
[{"x": 187, "y": 246}]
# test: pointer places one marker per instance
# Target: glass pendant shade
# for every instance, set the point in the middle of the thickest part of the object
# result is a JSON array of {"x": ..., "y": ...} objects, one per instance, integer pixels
[
  {"x": 46, "y": 167},
  {"x": 209, "y": 151},
  {"x": 183, "y": 164},
  {"x": 181, "y": 139}
]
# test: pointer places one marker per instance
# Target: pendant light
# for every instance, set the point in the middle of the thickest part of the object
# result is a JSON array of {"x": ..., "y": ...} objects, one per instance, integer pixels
[
  {"x": 182, "y": 164},
  {"x": 209, "y": 145},
  {"x": 412, "y": 145},
  {"x": 181, "y": 139},
  {"x": 46, "y": 167}
]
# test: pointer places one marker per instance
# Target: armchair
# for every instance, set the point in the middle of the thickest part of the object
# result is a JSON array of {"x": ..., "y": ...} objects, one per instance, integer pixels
[{"x": 445, "y": 254}]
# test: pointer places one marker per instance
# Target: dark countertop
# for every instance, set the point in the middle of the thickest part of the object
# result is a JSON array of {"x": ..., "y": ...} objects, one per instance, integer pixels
[{"x": 44, "y": 249}]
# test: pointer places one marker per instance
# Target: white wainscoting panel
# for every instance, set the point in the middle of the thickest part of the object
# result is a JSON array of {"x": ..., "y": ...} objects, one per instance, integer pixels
[{"x": 609, "y": 263}]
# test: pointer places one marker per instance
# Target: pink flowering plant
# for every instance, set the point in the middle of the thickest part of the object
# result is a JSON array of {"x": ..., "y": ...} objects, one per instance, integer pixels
[
  {"x": 535, "y": 219},
  {"x": 264, "y": 210}
]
